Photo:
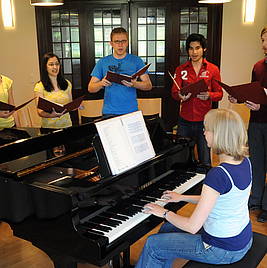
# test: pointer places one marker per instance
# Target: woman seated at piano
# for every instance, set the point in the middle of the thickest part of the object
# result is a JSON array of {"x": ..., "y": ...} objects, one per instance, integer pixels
[
  {"x": 55, "y": 88},
  {"x": 7, "y": 119},
  {"x": 219, "y": 229}
]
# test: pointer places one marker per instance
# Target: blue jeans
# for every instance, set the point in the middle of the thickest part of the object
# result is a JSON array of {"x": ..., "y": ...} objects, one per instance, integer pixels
[
  {"x": 194, "y": 130},
  {"x": 170, "y": 243}
]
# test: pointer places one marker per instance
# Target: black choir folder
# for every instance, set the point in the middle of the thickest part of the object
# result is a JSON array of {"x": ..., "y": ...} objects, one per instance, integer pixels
[
  {"x": 118, "y": 78},
  {"x": 48, "y": 106},
  {"x": 9, "y": 107},
  {"x": 246, "y": 92},
  {"x": 125, "y": 142}
]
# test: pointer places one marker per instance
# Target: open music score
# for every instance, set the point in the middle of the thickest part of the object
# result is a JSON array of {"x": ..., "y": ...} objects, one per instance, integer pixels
[
  {"x": 246, "y": 92},
  {"x": 118, "y": 78},
  {"x": 125, "y": 141},
  {"x": 9, "y": 107}
]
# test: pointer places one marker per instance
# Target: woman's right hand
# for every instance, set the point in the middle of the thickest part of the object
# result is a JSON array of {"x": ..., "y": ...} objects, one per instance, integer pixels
[
  {"x": 169, "y": 196},
  {"x": 54, "y": 114},
  {"x": 6, "y": 114}
]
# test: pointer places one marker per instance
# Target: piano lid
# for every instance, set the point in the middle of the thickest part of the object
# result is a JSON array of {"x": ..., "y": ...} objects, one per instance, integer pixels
[{"x": 27, "y": 155}]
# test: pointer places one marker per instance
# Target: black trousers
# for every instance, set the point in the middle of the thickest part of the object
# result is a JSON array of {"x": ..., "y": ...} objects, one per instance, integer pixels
[{"x": 257, "y": 139}]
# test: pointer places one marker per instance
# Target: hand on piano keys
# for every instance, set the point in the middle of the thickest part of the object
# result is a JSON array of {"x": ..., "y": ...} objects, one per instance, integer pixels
[
  {"x": 155, "y": 209},
  {"x": 170, "y": 196}
]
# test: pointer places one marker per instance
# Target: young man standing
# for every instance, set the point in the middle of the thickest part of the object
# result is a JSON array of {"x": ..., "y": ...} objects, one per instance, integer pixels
[
  {"x": 119, "y": 99},
  {"x": 257, "y": 138},
  {"x": 193, "y": 109}
]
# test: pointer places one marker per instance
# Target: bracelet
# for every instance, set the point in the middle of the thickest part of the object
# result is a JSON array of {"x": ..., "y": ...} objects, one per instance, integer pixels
[{"x": 165, "y": 214}]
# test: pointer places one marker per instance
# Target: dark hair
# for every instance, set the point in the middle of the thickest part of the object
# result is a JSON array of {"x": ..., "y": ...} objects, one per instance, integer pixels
[
  {"x": 264, "y": 30},
  {"x": 118, "y": 30},
  {"x": 62, "y": 82},
  {"x": 196, "y": 38}
]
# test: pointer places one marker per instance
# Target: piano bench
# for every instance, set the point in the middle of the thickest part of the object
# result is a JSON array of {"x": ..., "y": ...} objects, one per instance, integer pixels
[{"x": 250, "y": 260}]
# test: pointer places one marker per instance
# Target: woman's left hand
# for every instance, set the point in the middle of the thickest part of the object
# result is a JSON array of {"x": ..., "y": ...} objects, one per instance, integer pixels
[
  {"x": 154, "y": 209},
  {"x": 6, "y": 114}
]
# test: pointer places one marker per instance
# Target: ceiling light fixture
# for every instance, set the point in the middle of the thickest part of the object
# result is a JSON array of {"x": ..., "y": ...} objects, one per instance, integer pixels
[
  {"x": 8, "y": 14},
  {"x": 47, "y": 2},
  {"x": 213, "y": 1}
]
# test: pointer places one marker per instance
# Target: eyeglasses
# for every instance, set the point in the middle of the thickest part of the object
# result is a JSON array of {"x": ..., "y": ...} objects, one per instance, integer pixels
[
  {"x": 119, "y": 42},
  {"x": 53, "y": 64}
]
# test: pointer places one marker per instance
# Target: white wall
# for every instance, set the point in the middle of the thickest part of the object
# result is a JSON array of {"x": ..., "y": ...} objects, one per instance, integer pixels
[
  {"x": 241, "y": 46},
  {"x": 19, "y": 52}
]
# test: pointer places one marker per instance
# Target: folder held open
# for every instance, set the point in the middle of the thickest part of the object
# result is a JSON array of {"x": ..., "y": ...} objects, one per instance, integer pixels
[
  {"x": 195, "y": 88},
  {"x": 48, "y": 106},
  {"x": 253, "y": 92},
  {"x": 9, "y": 107},
  {"x": 118, "y": 78}
]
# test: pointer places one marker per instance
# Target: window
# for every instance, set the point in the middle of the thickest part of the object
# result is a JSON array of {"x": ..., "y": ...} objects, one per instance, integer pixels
[
  {"x": 65, "y": 34},
  {"x": 79, "y": 33}
]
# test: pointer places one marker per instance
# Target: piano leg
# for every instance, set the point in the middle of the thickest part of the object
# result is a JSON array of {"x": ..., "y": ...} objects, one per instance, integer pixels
[{"x": 124, "y": 262}]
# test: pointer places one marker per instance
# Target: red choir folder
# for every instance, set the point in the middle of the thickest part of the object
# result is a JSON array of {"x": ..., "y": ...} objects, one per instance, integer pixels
[
  {"x": 246, "y": 92},
  {"x": 48, "y": 106},
  {"x": 117, "y": 78},
  {"x": 195, "y": 88},
  {"x": 9, "y": 107}
]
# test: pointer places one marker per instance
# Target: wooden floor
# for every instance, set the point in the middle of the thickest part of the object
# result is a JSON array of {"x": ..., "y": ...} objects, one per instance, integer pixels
[{"x": 18, "y": 253}]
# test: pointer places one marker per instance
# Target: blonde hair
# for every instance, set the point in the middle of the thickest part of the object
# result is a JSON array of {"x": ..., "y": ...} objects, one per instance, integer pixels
[
  {"x": 229, "y": 133},
  {"x": 263, "y": 31}
]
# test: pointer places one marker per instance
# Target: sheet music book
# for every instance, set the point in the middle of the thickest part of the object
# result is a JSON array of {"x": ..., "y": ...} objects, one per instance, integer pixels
[
  {"x": 125, "y": 141},
  {"x": 118, "y": 78},
  {"x": 9, "y": 107},
  {"x": 246, "y": 92},
  {"x": 48, "y": 106},
  {"x": 195, "y": 88}
]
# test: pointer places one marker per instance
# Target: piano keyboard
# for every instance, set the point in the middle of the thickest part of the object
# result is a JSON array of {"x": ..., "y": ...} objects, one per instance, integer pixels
[{"x": 118, "y": 220}]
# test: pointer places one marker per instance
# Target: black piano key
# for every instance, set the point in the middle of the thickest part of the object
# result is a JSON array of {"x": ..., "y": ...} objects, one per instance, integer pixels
[
  {"x": 115, "y": 216},
  {"x": 95, "y": 232},
  {"x": 105, "y": 221},
  {"x": 110, "y": 219},
  {"x": 92, "y": 225}
]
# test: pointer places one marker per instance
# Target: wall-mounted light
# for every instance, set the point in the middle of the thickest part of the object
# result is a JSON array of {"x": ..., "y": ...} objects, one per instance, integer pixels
[
  {"x": 7, "y": 14},
  {"x": 47, "y": 2},
  {"x": 249, "y": 12},
  {"x": 213, "y": 1}
]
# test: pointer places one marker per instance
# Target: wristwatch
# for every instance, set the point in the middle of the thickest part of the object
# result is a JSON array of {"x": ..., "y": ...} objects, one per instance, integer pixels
[{"x": 165, "y": 214}]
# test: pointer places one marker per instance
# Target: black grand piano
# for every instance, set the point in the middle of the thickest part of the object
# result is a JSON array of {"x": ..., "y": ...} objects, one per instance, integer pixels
[{"x": 63, "y": 205}]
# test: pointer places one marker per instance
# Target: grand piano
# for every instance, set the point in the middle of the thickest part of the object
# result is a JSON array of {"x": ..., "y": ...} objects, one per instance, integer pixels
[{"x": 62, "y": 204}]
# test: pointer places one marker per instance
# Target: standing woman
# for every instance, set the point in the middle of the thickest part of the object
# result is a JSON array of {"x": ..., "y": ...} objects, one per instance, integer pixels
[
  {"x": 53, "y": 87},
  {"x": 7, "y": 120}
]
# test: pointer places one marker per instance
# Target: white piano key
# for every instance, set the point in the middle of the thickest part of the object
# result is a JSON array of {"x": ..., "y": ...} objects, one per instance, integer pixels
[{"x": 127, "y": 225}]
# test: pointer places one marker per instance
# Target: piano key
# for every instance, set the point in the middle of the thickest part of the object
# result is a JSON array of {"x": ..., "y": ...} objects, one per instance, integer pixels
[
  {"x": 115, "y": 216},
  {"x": 130, "y": 223}
]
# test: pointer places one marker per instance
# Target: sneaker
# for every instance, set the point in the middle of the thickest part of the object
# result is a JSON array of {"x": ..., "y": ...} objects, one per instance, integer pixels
[{"x": 263, "y": 216}]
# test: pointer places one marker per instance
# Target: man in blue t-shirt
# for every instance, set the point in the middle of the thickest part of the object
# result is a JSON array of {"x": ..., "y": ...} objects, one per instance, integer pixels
[{"x": 119, "y": 99}]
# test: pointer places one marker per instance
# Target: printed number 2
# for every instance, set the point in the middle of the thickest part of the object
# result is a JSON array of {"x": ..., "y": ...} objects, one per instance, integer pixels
[{"x": 184, "y": 75}]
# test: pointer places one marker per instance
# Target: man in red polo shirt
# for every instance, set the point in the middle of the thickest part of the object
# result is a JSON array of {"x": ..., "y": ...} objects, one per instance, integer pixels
[{"x": 193, "y": 109}]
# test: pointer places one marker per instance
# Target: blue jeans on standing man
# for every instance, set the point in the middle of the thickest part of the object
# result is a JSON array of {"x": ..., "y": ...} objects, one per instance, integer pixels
[
  {"x": 170, "y": 243},
  {"x": 195, "y": 131}
]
